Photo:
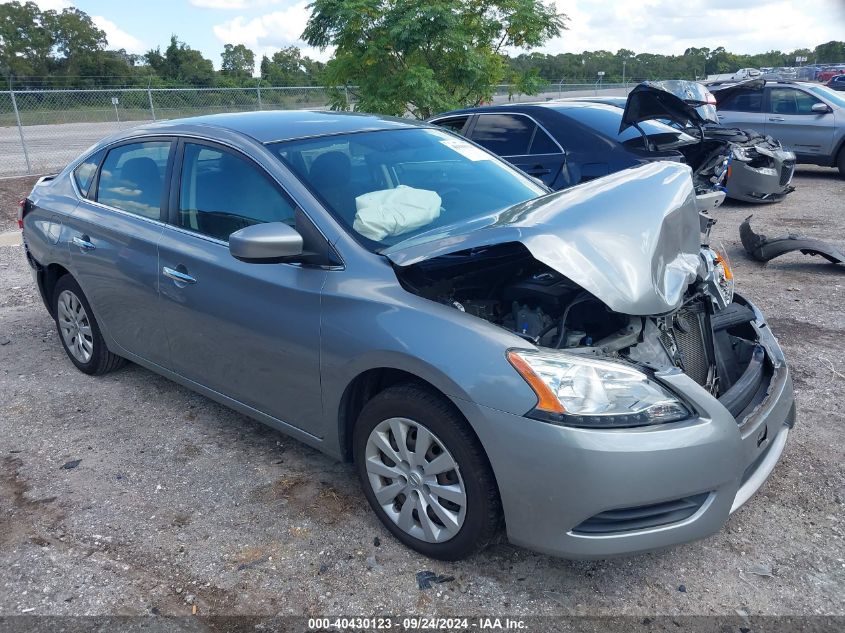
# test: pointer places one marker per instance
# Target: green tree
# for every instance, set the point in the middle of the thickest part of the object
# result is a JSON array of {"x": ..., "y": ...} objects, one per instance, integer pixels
[
  {"x": 238, "y": 61},
  {"x": 25, "y": 41},
  {"x": 288, "y": 67},
  {"x": 424, "y": 57},
  {"x": 181, "y": 63},
  {"x": 830, "y": 52}
]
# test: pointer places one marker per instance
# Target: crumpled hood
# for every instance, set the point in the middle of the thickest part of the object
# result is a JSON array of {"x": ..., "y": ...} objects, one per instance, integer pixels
[
  {"x": 687, "y": 103},
  {"x": 632, "y": 239}
]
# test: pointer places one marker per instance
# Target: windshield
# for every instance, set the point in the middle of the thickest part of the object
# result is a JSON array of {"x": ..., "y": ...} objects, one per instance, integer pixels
[
  {"x": 605, "y": 121},
  {"x": 390, "y": 185},
  {"x": 829, "y": 94}
]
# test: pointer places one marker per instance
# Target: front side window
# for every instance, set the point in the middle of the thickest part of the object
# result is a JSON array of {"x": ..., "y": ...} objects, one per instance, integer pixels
[
  {"x": 743, "y": 102},
  {"x": 132, "y": 178},
  {"x": 221, "y": 193},
  {"x": 791, "y": 101},
  {"x": 85, "y": 171},
  {"x": 503, "y": 134},
  {"x": 390, "y": 185}
]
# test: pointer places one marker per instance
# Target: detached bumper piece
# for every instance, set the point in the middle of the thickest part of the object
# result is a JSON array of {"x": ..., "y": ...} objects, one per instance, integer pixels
[
  {"x": 642, "y": 517},
  {"x": 764, "y": 249}
]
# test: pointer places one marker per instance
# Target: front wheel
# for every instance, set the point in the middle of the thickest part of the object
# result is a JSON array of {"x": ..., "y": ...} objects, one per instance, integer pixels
[
  {"x": 840, "y": 162},
  {"x": 425, "y": 474}
]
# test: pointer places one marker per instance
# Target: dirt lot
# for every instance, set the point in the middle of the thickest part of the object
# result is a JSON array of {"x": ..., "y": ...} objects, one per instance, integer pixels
[{"x": 179, "y": 502}]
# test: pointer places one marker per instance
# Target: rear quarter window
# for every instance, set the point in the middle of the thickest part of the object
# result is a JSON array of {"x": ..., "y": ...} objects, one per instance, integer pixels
[{"x": 86, "y": 170}]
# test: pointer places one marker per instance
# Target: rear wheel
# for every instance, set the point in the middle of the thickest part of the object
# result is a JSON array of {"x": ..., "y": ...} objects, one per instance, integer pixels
[
  {"x": 425, "y": 474},
  {"x": 840, "y": 162},
  {"x": 79, "y": 332}
]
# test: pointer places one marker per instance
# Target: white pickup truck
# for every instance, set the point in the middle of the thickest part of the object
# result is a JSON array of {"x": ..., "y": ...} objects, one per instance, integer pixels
[{"x": 742, "y": 73}]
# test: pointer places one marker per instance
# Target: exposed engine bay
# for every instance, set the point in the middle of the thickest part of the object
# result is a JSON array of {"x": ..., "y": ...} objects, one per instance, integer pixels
[{"x": 708, "y": 337}]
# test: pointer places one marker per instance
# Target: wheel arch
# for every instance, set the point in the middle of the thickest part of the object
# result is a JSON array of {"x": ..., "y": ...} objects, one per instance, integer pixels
[
  {"x": 368, "y": 382},
  {"x": 48, "y": 276}
]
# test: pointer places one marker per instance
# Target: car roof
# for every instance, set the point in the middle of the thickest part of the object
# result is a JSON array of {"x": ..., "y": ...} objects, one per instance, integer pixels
[
  {"x": 281, "y": 125},
  {"x": 531, "y": 106}
]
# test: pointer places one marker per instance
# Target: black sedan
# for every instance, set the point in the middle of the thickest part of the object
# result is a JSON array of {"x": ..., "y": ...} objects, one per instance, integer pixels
[{"x": 565, "y": 143}]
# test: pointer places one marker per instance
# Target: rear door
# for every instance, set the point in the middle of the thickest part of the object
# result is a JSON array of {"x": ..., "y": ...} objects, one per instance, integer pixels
[
  {"x": 521, "y": 141},
  {"x": 743, "y": 109},
  {"x": 114, "y": 235},
  {"x": 248, "y": 331},
  {"x": 791, "y": 120}
]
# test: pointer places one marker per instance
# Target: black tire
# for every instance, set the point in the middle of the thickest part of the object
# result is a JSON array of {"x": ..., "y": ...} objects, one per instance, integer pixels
[
  {"x": 840, "y": 162},
  {"x": 102, "y": 361},
  {"x": 414, "y": 401}
]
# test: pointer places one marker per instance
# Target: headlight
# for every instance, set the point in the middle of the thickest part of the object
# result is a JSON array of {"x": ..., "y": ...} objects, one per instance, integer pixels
[
  {"x": 721, "y": 279},
  {"x": 745, "y": 154},
  {"x": 579, "y": 391}
]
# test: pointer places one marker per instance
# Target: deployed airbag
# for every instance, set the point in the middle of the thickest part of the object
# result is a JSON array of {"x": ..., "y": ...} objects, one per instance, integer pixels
[{"x": 389, "y": 212}]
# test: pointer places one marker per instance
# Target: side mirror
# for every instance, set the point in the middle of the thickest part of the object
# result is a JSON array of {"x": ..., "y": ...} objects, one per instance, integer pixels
[
  {"x": 820, "y": 108},
  {"x": 267, "y": 243}
]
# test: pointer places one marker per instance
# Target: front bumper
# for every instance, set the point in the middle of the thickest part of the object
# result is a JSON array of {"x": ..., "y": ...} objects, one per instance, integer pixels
[
  {"x": 558, "y": 483},
  {"x": 762, "y": 184}
]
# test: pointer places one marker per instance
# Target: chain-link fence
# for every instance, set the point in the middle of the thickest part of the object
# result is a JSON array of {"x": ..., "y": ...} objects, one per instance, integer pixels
[{"x": 43, "y": 130}]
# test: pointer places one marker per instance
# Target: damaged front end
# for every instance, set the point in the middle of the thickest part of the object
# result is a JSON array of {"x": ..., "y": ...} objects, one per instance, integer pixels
[
  {"x": 612, "y": 285},
  {"x": 747, "y": 165}
]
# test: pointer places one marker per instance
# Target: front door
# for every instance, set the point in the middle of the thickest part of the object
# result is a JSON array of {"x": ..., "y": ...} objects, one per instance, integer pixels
[
  {"x": 791, "y": 120},
  {"x": 248, "y": 331}
]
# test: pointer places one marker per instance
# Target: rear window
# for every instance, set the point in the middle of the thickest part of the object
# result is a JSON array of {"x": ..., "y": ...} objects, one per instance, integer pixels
[{"x": 606, "y": 120}]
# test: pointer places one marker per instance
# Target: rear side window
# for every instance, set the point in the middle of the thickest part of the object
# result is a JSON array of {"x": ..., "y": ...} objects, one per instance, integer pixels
[
  {"x": 221, "y": 193},
  {"x": 84, "y": 172},
  {"x": 132, "y": 178},
  {"x": 743, "y": 102},
  {"x": 791, "y": 101},
  {"x": 455, "y": 124},
  {"x": 503, "y": 134},
  {"x": 542, "y": 143}
]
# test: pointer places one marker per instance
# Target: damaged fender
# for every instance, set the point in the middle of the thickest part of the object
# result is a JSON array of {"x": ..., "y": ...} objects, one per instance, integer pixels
[{"x": 764, "y": 249}]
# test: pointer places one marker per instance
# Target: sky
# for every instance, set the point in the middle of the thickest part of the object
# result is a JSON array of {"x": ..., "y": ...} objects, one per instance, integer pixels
[{"x": 655, "y": 26}]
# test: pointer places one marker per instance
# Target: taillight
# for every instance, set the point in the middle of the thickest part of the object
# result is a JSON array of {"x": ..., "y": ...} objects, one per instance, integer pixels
[{"x": 21, "y": 207}]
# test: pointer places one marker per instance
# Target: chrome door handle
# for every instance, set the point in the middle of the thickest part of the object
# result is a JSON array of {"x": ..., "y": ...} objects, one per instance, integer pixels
[
  {"x": 178, "y": 276},
  {"x": 775, "y": 118},
  {"x": 83, "y": 242}
]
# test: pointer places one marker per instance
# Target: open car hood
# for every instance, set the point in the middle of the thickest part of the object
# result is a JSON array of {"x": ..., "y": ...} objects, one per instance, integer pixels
[
  {"x": 632, "y": 239},
  {"x": 723, "y": 93},
  {"x": 685, "y": 102}
]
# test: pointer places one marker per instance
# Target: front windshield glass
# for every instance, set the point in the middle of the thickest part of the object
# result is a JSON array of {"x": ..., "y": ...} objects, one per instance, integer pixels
[
  {"x": 829, "y": 94},
  {"x": 390, "y": 185}
]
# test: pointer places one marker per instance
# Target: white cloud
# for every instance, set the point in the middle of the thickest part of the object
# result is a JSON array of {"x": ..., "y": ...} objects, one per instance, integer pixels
[
  {"x": 670, "y": 26},
  {"x": 270, "y": 32},
  {"x": 117, "y": 37},
  {"x": 230, "y": 5}
]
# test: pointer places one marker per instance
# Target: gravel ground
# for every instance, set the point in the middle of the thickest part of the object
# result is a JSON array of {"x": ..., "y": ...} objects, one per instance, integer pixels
[{"x": 177, "y": 502}]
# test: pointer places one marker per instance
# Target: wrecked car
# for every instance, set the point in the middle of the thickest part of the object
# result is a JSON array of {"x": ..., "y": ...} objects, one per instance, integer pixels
[
  {"x": 571, "y": 367},
  {"x": 758, "y": 167},
  {"x": 565, "y": 143}
]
